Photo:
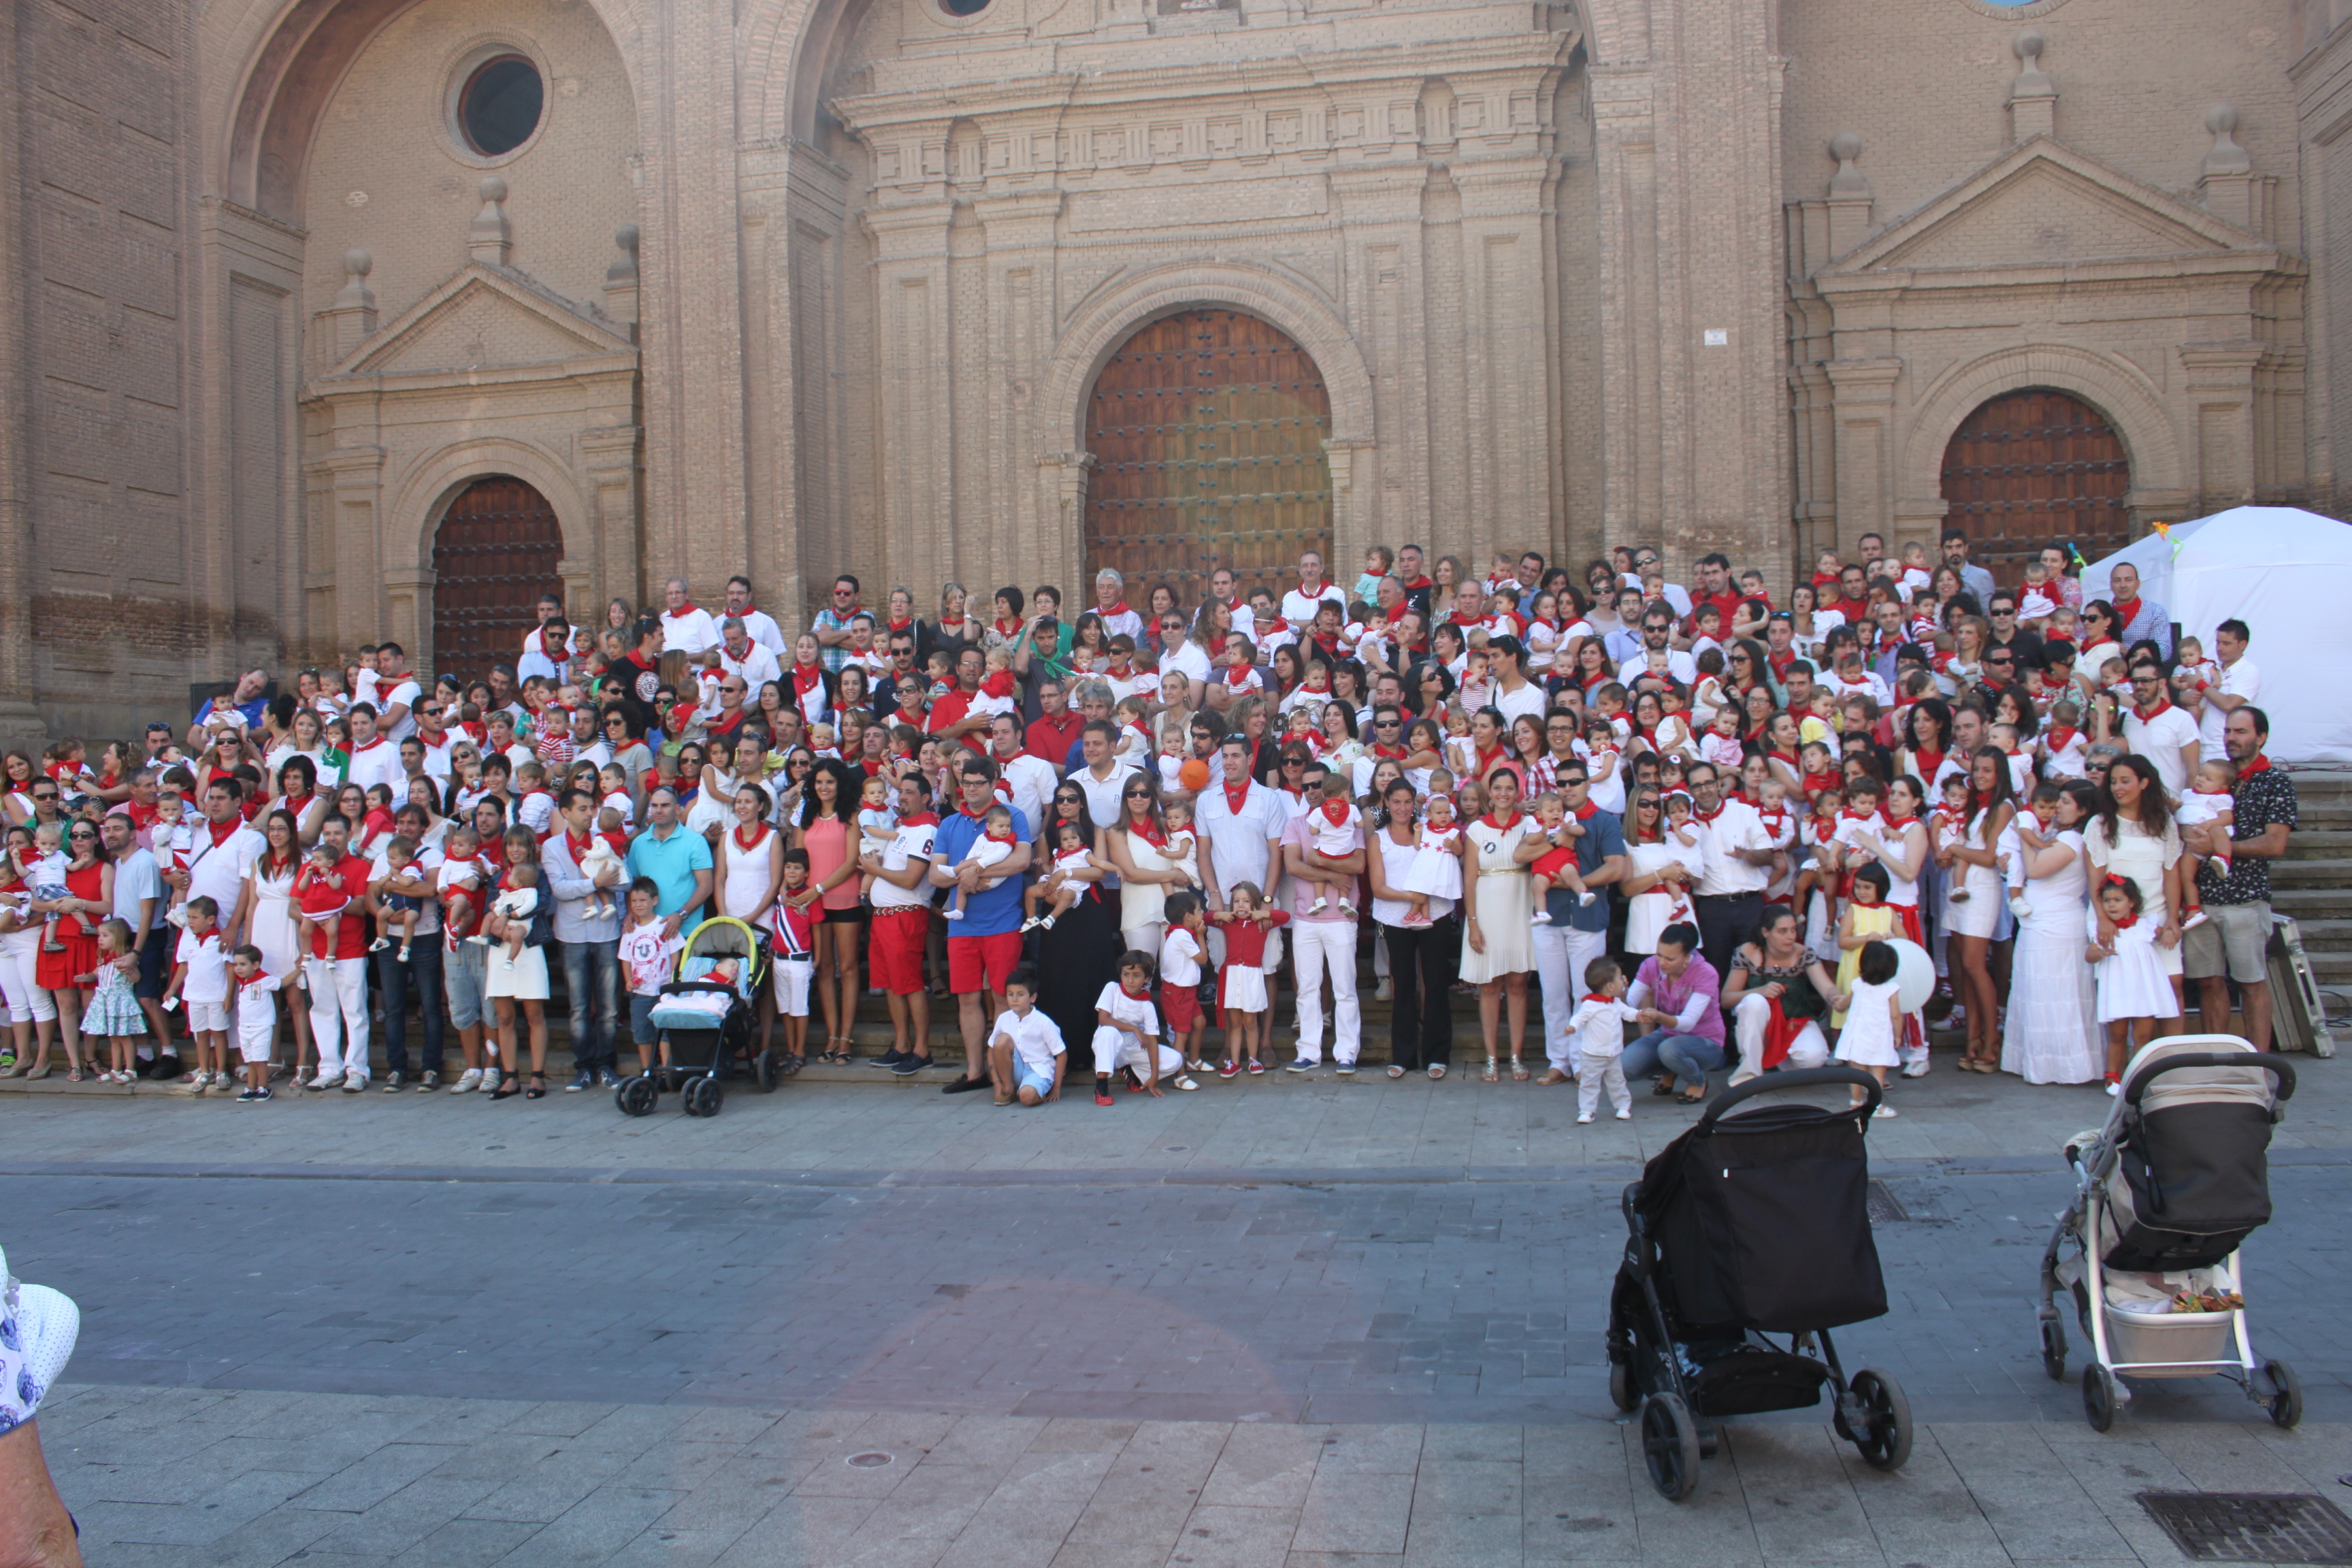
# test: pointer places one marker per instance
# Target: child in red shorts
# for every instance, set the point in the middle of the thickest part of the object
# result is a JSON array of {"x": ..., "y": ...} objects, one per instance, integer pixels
[{"x": 1181, "y": 951}]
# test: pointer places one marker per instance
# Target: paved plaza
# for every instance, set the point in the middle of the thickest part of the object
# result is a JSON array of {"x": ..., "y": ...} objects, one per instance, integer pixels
[{"x": 1304, "y": 1324}]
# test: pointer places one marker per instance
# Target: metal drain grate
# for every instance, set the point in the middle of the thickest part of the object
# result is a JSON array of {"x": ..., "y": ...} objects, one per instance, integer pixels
[
  {"x": 1885, "y": 1208},
  {"x": 2252, "y": 1527}
]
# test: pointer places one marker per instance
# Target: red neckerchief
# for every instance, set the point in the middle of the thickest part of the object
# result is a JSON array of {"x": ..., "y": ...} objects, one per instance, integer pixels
[
  {"x": 1003, "y": 837},
  {"x": 1900, "y": 823},
  {"x": 579, "y": 845},
  {"x": 680, "y": 612},
  {"x": 753, "y": 842},
  {"x": 205, "y": 936},
  {"x": 2260, "y": 764},
  {"x": 142, "y": 816},
  {"x": 1815, "y": 783},
  {"x": 553, "y": 653},
  {"x": 1144, "y": 995},
  {"x": 1151, "y": 832},
  {"x": 1584, "y": 813},
  {"x": 1484, "y": 760},
  {"x": 371, "y": 746},
  {"x": 1781, "y": 662},
  {"x": 1855, "y": 611},
  {"x": 1118, "y": 609},
  {"x": 1382, "y": 750},
  {"x": 222, "y": 832},
  {"x": 1824, "y": 828},
  {"x": 1418, "y": 584},
  {"x": 1706, "y": 817},
  {"x": 2126, "y": 612},
  {"x": 1329, "y": 645},
  {"x": 1238, "y": 676},
  {"x": 1338, "y": 813},
  {"x": 2127, "y": 924},
  {"x": 274, "y": 865},
  {"x": 1596, "y": 996},
  {"x": 1502, "y": 827},
  {"x": 1455, "y": 619},
  {"x": 1008, "y": 630},
  {"x": 1787, "y": 757},
  {"x": 2163, "y": 705},
  {"x": 1271, "y": 626},
  {"x": 1235, "y": 796},
  {"x": 920, "y": 819}
]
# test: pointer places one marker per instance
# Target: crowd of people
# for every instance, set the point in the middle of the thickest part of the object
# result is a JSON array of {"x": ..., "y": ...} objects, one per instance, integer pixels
[{"x": 1678, "y": 829}]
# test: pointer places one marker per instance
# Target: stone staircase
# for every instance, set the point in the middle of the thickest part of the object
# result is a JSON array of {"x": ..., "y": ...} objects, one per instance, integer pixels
[{"x": 2314, "y": 882}]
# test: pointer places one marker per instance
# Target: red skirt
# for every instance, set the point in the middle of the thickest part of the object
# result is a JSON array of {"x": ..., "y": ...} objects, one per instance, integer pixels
[{"x": 55, "y": 970}]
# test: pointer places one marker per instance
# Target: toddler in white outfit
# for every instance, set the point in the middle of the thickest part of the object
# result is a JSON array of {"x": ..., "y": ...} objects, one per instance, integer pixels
[
  {"x": 599, "y": 860},
  {"x": 1598, "y": 1025},
  {"x": 994, "y": 844},
  {"x": 2210, "y": 804}
]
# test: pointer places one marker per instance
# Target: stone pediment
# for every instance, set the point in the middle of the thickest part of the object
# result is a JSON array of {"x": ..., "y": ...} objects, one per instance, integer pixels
[
  {"x": 2043, "y": 205},
  {"x": 486, "y": 317}
]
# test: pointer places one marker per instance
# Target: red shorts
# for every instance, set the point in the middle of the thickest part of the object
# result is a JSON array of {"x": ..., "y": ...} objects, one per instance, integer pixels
[
  {"x": 893, "y": 949},
  {"x": 1181, "y": 1005},
  {"x": 982, "y": 963}
]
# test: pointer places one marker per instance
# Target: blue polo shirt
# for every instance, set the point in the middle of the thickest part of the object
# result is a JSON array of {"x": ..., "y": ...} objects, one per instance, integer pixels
[
  {"x": 671, "y": 862},
  {"x": 1604, "y": 836},
  {"x": 993, "y": 912}
]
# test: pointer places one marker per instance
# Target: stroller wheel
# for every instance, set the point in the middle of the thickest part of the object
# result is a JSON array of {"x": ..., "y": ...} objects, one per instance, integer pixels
[
  {"x": 2286, "y": 1404},
  {"x": 1883, "y": 1440},
  {"x": 704, "y": 1096},
  {"x": 2098, "y": 1397},
  {"x": 2053, "y": 1350},
  {"x": 1622, "y": 1391},
  {"x": 1670, "y": 1445},
  {"x": 763, "y": 1071},
  {"x": 637, "y": 1096}
]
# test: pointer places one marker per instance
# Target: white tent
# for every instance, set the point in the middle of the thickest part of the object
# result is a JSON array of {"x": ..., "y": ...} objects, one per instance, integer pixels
[{"x": 2287, "y": 573}]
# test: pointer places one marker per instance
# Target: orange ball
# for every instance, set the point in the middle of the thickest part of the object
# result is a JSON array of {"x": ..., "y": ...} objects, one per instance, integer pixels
[{"x": 1193, "y": 774}]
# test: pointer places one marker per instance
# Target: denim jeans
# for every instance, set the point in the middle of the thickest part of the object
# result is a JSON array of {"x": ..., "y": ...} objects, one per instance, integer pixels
[
  {"x": 1690, "y": 1058},
  {"x": 423, "y": 972},
  {"x": 592, "y": 973}
]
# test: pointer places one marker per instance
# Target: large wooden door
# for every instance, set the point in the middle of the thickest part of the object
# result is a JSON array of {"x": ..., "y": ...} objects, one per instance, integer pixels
[
  {"x": 1207, "y": 431},
  {"x": 2036, "y": 467},
  {"x": 494, "y": 554}
]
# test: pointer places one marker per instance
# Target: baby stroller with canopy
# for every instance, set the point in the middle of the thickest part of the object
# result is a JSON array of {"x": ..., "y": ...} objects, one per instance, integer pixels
[
  {"x": 2164, "y": 1196},
  {"x": 706, "y": 1022},
  {"x": 1743, "y": 1227}
]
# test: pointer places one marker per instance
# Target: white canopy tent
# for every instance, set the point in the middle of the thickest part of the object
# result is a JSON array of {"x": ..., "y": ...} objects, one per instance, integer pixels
[{"x": 2287, "y": 573}]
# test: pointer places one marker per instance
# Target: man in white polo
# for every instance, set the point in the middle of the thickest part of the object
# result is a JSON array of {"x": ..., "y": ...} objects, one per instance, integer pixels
[
  {"x": 740, "y": 656},
  {"x": 1299, "y": 604},
  {"x": 1240, "y": 822},
  {"x": 1729, "y": 898},
  {"x": 686, "y": 628},
  {"x": 760, "y": 625},
  {"x": 2238, "y": 684}
]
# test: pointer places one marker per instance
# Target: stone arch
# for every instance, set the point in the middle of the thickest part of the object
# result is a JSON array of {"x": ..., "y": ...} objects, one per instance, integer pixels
[
  {"x": 290, "y": 55},
  {"x": 1281, "y": 297},
  {"x": 2116, "y": 388},
  {"x": 425, "y": 492}
]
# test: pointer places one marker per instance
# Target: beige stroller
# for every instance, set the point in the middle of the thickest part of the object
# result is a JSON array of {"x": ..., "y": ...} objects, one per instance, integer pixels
[{"x": 2165, "y": 1193}]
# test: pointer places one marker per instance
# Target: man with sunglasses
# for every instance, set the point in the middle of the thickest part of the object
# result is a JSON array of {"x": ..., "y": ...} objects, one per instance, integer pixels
[
  {"x": 901, "y": 673},
  {"x": 2008, "y": 634},
  {"x": 2155, "y": 729},
  {"x": 985, "y": 947},
  {"x": 1179, "y": 655},
  {"x": 1030, "y": 780},
  {"x": 1323, "y": 940},
  {"x": 1240, "y": 823}
]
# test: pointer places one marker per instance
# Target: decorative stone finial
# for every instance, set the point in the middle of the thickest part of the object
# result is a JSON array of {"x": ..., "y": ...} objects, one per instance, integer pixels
[
  {"x": 2226, "y": 156},
  {"x": 624, "y": 268},
  {"x": 2028, "y": 45},
  {"x": 2032, "y": 96},
  {"x": 491, "y": 238},
  {"x": 357, "y": 265},
  {"x": 1849, "y": 181}
]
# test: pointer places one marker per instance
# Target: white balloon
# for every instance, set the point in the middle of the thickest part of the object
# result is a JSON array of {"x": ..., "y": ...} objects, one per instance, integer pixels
[{"x": 1915, "y": 973}]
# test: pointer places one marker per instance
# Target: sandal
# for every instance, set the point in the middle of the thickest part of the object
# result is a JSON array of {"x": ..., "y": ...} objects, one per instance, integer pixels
[
  {"x": 1436, "y": 1069},
  {"x": 1396, "y": 1071},
  {"x": 1490, "y": 1075},
  {"x": 1664, "y": 1086},
  {"x": 508, "y": 1087},
  {"x": 538, "y": 1089},
  {"x": 1519, "y": 1071},
  {"x": 1696, "y": 1097}
]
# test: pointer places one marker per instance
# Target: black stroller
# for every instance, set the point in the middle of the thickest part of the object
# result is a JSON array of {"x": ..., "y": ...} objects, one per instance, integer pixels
[
  {"x": 705, "y": 1023},
  {"x": 1748, "y": 1225},
  {"x": 2164, "y": 1196}
]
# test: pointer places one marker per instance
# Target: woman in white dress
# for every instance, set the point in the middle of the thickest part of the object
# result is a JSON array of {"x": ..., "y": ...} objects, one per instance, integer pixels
[
  {"x": 750, "y": 859},
  {"x": 2053, "y": 1035},
  {"x": 1136, "y": 847},
  {"x": 1659, "y": 873},
  {"x": 1968, "y": 858},
  {"x": 270, "y": 925},
  {"x": 520, "y": 981},
  {"x": 2134, "y": 836},
  {"x": 1497, "y": 906}
]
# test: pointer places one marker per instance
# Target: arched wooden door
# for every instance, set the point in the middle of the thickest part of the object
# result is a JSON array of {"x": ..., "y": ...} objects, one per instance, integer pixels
[
  {"x": 2036, "y": 467},
  {"x": 494, "y": 554},
  {"x": 1207, "y": 432}
]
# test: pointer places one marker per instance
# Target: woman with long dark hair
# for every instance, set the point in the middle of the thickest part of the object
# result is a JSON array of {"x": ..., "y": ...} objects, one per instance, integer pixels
[
  {"x": 2052, "y": 1033},
  {"x": 1079, "y": 954},
  {"x": 1973, "y": 903},
  {"x": 827, "y": 830},
  {"x": 2134, "y": 835},
  {"x": 1424, "y": 957}
]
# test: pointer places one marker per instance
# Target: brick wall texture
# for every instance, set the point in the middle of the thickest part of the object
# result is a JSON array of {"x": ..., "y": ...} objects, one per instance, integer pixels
[{"x": 1718, "y": 274}]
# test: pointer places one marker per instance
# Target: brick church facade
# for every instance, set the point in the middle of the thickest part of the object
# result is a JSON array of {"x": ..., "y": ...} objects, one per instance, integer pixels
[{"x": 327, "y": 321}]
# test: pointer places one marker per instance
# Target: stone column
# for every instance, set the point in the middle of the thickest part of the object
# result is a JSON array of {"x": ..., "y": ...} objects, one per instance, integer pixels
[
  {"x": 916, "y": 401},
  {"x": 20, "y": 718}
]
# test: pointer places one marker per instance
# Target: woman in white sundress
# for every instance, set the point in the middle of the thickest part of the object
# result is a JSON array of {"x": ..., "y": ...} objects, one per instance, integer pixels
[
  {"x": 1498, "y": 948},
  {"x": 2053, "y": 1034},
  {"x": 270, "y": 925}
]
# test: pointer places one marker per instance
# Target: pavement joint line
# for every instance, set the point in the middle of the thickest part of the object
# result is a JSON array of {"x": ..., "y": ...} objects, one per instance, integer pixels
[{"x": 1283, "y": 1176}]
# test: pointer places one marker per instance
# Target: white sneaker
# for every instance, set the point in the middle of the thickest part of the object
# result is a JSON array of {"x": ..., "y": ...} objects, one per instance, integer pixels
[
  {"x": 1584, "y": 901},
  {"x": 353, "y": 1083},
  {"x": 1045, "y": 924},
  {"x": 1032, "y": 924},
  {"x": 1384, "y": 992},
  {"x": 192, "y": 1084},
  {"x": 1585, "y": 1120},
  {"x": 1624, "y": 1116},
  {"x": 1347, "y": 909},
  {"x": 1915, "y": 1070},
  {"x": 1321, "y": 903},
  {"x": 2196, "y": 918},
  {"x": 1185, "y": 1081},
  {"x": 490, "y": 1079},
  {"x": 2115, "y": 1091},
  {"x": 326, "y": 1080},
  {"x": 1542, "y": 918},
  {"x": 954, "y": 914},
  {"x": 2020, "y": 908}
]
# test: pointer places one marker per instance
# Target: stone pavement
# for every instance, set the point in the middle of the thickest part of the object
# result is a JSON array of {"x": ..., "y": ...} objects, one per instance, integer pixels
[{"x": 1306, "y": 1324}]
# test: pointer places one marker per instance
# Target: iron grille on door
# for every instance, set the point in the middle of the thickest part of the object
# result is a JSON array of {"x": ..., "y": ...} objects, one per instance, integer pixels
[
  {"x": 494, "y": 554},
  {"x": 2036, "y": 467},
  {"x": 1207, "y": 430}
]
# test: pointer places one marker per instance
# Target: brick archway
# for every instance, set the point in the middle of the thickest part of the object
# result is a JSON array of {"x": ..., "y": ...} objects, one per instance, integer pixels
[
  {"x": 2033, "y": 467},
  {"x": 495, "y": 553},
  {"x": 1207, "y": 430}
]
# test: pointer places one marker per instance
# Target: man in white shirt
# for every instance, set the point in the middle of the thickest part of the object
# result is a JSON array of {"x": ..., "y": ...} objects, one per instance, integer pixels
[
  {"x": 1657, "y": 637},
  {"x": 221, "y": 850},
  {"x": 1222, "y": 588},
  {"x": 1100, "y": 773},
  {"x": 2155, "y": 729},
  {"x": 1729, "y": 898},
  {"x": 1676, "y": 594},
  {"x": 1240, "y": 823},
  {"x": 1110, "y": 604},
  {"x": 739, "y": 654},
  {"x": 545, "y": 646},
  {"x": 686, "y": 628},
  {"x": 396, "y": 707},
  {"x": 1030, "y": 779},
  {"x": 1299, "y": 606},
  {"x": 1515, "y": 695},
  {"x": 1179, "y": 655},
  {"x": 2238, "y": 684},
  {"x": 432, "y": 740},
  {"x": 760, "y": 625},
  {"x": 375, "y": 759},
  {"x": 139, "y": 904}
]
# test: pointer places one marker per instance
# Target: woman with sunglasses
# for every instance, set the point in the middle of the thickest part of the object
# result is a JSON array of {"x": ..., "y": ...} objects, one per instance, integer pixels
[
  {"x": 827, "y": 830},
  {"x": 32, "y": 1014},
  {"x": 1424, "y": 955},
  {"x": 18, "y": 774},
  {"x": 89, "y": 900},
  {"x": 1136, "y": 847},
  {"x": 1497, "y": 907},
  {"x": 1079, "y": 954}
]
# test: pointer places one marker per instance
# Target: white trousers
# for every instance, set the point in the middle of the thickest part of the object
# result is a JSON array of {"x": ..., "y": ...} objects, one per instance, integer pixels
[
  {"x": 1808, "y": 1049},
  {"x": 339, "y": 997},
  {"x": 1603, "y": 1072},
  {"x": 1561, "y": 954},
  {"x": 1321, "y": 947},
  {"x": 1116, "y": 1049},
  {"x": 27, "y": 1002}
]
